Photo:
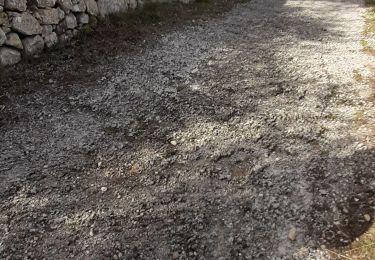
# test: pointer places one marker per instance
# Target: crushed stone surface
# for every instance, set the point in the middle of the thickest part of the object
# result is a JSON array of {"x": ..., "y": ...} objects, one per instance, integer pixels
[{"x": 243, "y": 137}]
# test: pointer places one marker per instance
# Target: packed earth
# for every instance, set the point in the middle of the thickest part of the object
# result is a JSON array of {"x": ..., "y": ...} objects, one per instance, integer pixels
[{"x": 248, "y": 134}]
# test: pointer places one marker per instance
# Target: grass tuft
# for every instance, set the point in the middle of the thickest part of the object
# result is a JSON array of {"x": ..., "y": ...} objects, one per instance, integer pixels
[{"x": 357, "y": 76}]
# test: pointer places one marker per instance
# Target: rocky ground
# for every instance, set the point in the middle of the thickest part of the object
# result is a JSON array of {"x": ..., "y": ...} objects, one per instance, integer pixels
[{"x": 247, "y": 135}]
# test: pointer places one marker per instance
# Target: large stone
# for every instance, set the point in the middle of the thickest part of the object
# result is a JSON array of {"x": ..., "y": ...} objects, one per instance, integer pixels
[
  {"x": 65, "y": 5},
  {"x": 5, "y": 28},
  {"x": 80, "y": 7},
  {"x": 16, "y": 5},
  {"x": 61, "y": 13},
  {"x": 132, "y": 4},
  {"x": 14, "y": 40},
  {"x": 50, "y": 39},
  {"x": 92, "y": 7},
  {"x": 47, "y": 29},
  {"x": 3, "y": 18},
  {"x": 48, "y": 16},
  {"x": 83, "y": 18},
  {"x": 112, "y": 6},
  {"x": 45, "y": 3},
  {"x": 33, "y": 45},
  {"x": 26, "y": 24},
  {"x": 3, "y": 37},
  {"x": 2, "y": 2},
  {"x": 9, "y": 56},
  {"x": 70, "y": 21}
]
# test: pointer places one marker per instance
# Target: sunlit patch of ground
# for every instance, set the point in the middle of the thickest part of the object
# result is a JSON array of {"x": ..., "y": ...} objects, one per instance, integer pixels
[{"x": 363, "y": 248}]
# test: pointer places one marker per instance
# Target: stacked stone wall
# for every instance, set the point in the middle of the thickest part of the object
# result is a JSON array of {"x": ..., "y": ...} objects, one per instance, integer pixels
[{"x": 27, "y": 27}]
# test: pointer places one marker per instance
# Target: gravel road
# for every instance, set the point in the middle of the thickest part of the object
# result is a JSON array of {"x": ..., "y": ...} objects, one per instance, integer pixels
[{"x": 244, "y": 136}]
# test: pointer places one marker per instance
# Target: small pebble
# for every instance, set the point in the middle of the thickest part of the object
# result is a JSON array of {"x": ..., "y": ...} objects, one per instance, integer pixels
[
  {"x": 367, "y": 217},
  {"x": 292, "y": 234}
]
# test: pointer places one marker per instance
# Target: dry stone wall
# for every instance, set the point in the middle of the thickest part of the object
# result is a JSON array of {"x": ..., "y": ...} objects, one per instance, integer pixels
[{"x": 27, "y": 27}]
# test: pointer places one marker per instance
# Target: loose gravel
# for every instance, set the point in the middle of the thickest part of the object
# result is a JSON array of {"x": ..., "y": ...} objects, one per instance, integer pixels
[{"x": 244, "y": 136}]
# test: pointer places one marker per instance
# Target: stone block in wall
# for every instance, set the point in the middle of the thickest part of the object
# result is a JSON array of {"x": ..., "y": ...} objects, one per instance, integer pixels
[
  {"x": 67, "y": 36},
  {"x": 132, "y": 4},
  {"x": 3, "y": 18},
  {"x": 63, "y": 38},
  {"x": 26, "y": 24},
  {"x": 3, "y": 37},
  {"x": 60, "y": 28},
  {"x": 48, "y": 16},
  {"x": 82, "y": 18},
  {"x": 14, "y": 40},
  {"x": 6, "y": 28},
  {"x": 45, "y": 3},
  {"x": 65, "y": 5},
  {"x": 9, "y": 56},
  {"x": 33, "y": 45},
  {"x": 112, "y": 6},
  {"x": 47, "y": 29},
  {"x": 2, "y": 2},
  {"x": 16, "y": 5},
  {"x": 50, "y": 39},
  {"x": 70, "y": 21},
  {"x": 92, "y": 7},
  {"x": 79, "y": 7}
]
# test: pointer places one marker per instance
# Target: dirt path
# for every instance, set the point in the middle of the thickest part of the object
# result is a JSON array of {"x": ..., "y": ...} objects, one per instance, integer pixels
[{"x": 216, "y": 143}]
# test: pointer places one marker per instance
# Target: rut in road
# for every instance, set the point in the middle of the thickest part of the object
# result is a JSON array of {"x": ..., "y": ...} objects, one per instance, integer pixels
[{"x": 213, "y": 144}]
